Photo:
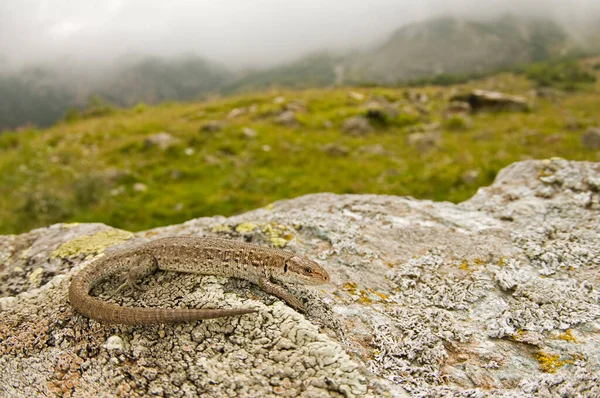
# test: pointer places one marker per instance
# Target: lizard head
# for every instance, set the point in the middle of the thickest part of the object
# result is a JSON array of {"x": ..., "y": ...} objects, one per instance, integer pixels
[{"x": 298, "y": 269}]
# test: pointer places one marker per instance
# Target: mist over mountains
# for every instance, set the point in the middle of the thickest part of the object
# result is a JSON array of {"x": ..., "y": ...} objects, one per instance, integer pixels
[{"x": 41, "y": 93}]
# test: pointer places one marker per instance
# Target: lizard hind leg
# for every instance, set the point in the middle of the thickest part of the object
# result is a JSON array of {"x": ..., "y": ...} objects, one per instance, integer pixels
[{"x": 143, "y": 266}]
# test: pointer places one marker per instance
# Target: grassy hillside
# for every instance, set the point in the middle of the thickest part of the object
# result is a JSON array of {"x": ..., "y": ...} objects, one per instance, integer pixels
[{"x": 233, "y": 154}]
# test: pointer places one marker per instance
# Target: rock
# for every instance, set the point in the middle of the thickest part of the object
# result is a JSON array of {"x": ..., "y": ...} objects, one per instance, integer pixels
[
  {"x": 295, "y": 106},
  {"x": 417, "y": 97},
  {"x": 470, "y": 176},
  {"x": 380, "y": 111},
  {"x": 328, "y": 124},
  {"x": 356, "y": 125},
  {"x": 375, "y": 149},
  {"x": 287, "y": 118},
  {"x": 496, "y": 296},
  {"x": 249, "y": 133},
  {"x": 457, "y": 108},
  {"x": 424, "y": 141},
  {"x": 189, "y": 151},
  {"x": 591, "y": 138},
  {"x": 356, "y": 96},
  {"x": 279, "y": 100},
  {"x": 162, "y": 140},
  {"x": 140, "y": 187},
  {"x": 377, "y": 117},
  {"x": 482, "y": 100},
  {"x": 235, "y": 112},
  {"x": 212, "y": 126},
  {"x": 333, "y": 149}
]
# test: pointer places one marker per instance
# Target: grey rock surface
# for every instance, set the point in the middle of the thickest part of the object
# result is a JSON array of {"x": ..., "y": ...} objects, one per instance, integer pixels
[{"x": 497, "y": 296}]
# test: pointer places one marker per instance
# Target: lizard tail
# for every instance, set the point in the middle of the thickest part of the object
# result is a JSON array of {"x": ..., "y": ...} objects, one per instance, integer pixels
[{"x": 112, "y": 313}]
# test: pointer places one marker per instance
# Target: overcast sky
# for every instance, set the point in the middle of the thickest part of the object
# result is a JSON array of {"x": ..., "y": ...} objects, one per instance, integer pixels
[{"x": 235, "y": 32}]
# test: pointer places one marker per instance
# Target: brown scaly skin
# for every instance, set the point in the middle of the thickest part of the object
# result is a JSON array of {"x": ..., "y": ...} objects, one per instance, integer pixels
[{"x": 208, "y": 256}]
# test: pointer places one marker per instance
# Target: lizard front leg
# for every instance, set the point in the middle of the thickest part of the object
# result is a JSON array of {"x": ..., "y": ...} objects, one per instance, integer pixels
[
  {"x": 143, "y": 266},
  {"x": 280, "y": 292}
]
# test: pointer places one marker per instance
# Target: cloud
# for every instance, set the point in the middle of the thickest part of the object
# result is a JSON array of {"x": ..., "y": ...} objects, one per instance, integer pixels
[{"x": 236, "y": 32}]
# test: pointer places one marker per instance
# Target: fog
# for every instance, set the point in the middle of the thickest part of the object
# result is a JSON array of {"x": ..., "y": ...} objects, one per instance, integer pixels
[{"x": 238, "y": 33}]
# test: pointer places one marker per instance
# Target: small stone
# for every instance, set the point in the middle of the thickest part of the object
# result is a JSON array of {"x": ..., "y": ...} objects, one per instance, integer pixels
[
  {"x": 356, "y": 96},
  {"x": 212, "y": 126},
  {"x": 279, "y": 100},
  {"x": 333, "y": 149},
  {"x": 287, "y": 118},
  {"x": 189, "y": 151},
  {"x": 162, "y": 140},
  {"x": 591, "y": 138},
  {"x": 249, "y": 133},
  {"x": 424, "y": 141},
  {"x": 356, "y": 125},
  {"x": 266, "y": 148},
  {"x": 470, "y": 176},
  {"x": 235, "y": 112},
  {"x": 140, "y": 187}
]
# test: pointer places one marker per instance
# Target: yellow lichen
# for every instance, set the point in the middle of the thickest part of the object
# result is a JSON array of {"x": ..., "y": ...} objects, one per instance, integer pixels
[
  {"x": 464, "y": 265},
  {"x": 278, "y": 234},
  {"x": 221, "y": 228},
  {"x": 91, "y": 244},
  {"x": 501, "y": 262},
  {"x": 381, "y": 295},
  {"x": 479, "y": 261},
  {"x": 364, "y": 297},
  {"x": 567, "y": 336},
  {"x": 550, "y": 363},
  {"x": 245, "y": 227},
  {"x": 350, "y": 287}
]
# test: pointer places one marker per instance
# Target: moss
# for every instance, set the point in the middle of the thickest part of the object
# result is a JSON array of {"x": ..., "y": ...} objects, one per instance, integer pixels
[{"x": 92, "y": 244}]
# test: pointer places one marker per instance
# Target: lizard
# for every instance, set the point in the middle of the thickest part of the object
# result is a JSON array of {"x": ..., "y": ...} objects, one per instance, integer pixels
[{"x": 260, "y": 265}]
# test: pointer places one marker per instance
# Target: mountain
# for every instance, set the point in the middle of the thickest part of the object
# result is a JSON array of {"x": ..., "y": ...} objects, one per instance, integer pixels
[
  {"x": 42, "y": 95},
  {"x": 455, "y": 46},
  {"x": 315, "y": 70},
  {"x": 154, "y": 80},
  {"x": 439, "y": 48}
]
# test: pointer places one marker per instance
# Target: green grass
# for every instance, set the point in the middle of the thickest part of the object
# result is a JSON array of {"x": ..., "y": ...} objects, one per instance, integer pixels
[{"x": 85, "y": 170}]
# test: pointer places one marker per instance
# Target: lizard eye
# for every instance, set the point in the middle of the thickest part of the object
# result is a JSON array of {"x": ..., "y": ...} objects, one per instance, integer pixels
[{"x": 308, "y": 270}]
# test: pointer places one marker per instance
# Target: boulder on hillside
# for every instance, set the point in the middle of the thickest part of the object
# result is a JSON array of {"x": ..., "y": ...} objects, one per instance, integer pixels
[
  {"x": 357, "y": 125},
  {"x": 162, "y": 140},
  {"x": 212, "y": 126},
  {"x": 483, "y": 100},
  {"x": 287, "y": 118},
  {"x": 457, "y": 108},
  {"x": 591, "y": 138}
]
